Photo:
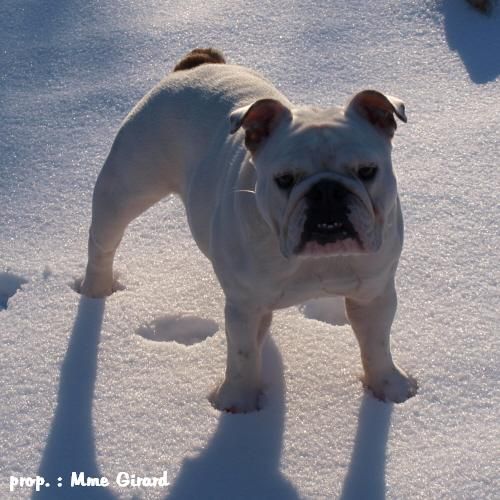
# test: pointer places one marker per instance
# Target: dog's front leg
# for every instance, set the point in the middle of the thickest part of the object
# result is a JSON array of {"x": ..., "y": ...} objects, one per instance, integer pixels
[
  {"x": 371, "y": 322},
  {"x": 246, "y": 327}
]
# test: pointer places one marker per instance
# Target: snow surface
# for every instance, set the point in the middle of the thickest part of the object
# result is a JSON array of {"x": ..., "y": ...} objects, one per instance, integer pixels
[{"x": 121, "y": 385}]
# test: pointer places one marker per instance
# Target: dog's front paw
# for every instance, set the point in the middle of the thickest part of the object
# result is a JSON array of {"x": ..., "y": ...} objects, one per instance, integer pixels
[
  {"x": 395, "y": 386},
  {"x": 234, "y": 398}
]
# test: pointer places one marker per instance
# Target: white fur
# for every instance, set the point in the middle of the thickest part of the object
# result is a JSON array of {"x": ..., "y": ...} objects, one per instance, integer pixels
[{"x": 178, "y": 140}]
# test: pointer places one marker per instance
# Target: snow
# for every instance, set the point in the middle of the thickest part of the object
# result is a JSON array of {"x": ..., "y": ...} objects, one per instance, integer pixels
[{"x": 122, "y": 384}]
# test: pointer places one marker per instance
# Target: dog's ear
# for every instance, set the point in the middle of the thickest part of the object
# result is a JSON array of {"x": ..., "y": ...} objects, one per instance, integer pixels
[
  {"x": 258, "y": 121},
  {"x": 378, "y": 109}
]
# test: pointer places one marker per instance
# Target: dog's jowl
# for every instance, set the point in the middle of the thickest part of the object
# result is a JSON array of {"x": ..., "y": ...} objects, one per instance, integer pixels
[{"x": 288, "y": 203}]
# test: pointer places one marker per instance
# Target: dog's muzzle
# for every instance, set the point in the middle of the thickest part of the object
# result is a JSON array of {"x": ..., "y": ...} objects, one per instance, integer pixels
[{"x": 327, "y": 216}]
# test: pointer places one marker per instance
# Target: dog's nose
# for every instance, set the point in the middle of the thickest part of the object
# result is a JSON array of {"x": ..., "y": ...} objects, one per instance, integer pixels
[{"x": 327, "y": 192}]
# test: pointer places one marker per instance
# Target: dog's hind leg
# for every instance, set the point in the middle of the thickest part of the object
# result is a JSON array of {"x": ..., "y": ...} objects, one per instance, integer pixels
[{"x": 131, "y": 181}]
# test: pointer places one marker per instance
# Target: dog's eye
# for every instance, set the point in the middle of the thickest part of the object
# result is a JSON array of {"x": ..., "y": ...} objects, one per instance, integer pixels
[
  {"x": 367, "y": 172},
  {"x": 285, "y": 181}
]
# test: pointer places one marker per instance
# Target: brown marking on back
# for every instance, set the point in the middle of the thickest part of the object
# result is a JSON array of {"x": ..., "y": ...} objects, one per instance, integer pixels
[{"x": 200, "y": 56}]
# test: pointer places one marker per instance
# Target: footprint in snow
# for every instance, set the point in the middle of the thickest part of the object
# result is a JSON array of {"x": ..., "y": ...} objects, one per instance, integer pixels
[
  {"x": 9, "y": 285},
  {"x": 183, "y": 329}
]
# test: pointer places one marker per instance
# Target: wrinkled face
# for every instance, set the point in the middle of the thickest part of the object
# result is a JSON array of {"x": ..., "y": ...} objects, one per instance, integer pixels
[{"x": 325, "y": 184}]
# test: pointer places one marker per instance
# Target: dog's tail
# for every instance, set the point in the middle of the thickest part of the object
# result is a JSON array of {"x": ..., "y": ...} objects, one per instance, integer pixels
[{"x": 200, "y": 56}]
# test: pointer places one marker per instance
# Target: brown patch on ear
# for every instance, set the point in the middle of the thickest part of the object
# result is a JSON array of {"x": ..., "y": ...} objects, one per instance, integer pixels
[
  {"x": 254, "y": 137},
  {"x": 259, "y": 120},
  {"x": 200, "y": 56},
  {"x": 378, "y": 109}
]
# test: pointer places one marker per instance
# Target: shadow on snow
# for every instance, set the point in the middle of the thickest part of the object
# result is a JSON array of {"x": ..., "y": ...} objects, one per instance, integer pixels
[
  {"x": 70, "y": 446},
  {"x": 365, "y": 478},
  {"x": 242, "y": 460},
  {"x": 476, "y": 38}
]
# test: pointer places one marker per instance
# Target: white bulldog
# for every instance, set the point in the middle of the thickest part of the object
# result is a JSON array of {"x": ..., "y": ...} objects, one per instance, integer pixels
[{"x": 288, "y": 203}]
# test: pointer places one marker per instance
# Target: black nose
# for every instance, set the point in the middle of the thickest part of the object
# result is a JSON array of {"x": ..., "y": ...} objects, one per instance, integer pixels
[{"x": 327, "y": 192}]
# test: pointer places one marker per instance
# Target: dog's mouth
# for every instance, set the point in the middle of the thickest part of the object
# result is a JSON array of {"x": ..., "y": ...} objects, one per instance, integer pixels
[
  {"x": 329, "y": 235},
  {"x": 329, "y": 231}
]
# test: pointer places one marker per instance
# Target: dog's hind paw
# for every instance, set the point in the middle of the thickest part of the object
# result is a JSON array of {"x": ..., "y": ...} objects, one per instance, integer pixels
[{"x": 96, "y": 287}]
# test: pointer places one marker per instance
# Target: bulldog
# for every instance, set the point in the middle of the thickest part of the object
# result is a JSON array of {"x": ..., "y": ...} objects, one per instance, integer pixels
[{"x": 288, "y": 202}]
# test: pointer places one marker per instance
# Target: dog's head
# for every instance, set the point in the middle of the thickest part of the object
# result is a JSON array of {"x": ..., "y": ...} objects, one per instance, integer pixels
[{"x": 325, "y": 183}]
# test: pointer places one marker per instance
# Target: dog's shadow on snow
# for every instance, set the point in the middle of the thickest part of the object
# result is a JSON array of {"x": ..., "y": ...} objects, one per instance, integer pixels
[
  {"x": 242, "y": 460},
  {"x": 365, "y": 478},
  {"x": 70, "y": 445},
  {"x": 476, "y": 38}
]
